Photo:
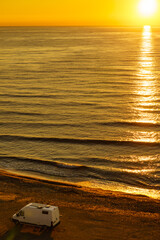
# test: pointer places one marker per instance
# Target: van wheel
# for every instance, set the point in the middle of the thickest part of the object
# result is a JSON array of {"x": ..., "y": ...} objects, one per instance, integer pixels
[{"x": 51, "y": 224}]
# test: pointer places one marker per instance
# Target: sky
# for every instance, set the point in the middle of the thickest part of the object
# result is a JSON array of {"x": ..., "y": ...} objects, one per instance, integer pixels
[{"x": 76, "y": 13}]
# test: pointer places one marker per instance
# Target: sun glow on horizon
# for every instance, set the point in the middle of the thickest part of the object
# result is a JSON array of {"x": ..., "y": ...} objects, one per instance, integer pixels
[
  {"x": 147, "y": 7},
  {"x": 113, "y": 13},
  {"x": 147, "y": 28}
]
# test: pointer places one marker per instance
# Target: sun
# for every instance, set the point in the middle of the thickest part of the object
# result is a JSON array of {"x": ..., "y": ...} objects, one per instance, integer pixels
[{"x": 147, "y": 7}]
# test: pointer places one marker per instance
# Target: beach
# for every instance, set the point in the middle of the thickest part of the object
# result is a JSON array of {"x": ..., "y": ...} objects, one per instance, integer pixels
[{"x": 86, "y": 213}]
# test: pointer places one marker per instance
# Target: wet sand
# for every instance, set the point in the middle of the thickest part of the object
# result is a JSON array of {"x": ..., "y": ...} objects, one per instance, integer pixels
[{"x": 85, "y": 213}]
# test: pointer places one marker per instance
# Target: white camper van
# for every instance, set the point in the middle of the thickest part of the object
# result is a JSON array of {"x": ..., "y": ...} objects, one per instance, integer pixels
[{"x": 39, "y": 214}]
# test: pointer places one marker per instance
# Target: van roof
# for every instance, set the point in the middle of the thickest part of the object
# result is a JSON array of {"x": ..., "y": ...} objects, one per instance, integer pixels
[{"x": 40, "y": 206}]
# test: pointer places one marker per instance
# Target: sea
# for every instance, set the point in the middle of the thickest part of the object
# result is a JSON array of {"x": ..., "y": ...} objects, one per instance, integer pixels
[{"x": 81, "y": 106}]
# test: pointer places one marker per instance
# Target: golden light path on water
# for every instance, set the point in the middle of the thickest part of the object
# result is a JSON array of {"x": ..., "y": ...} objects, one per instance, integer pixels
[
  {"x": 146, "y": 89},
  {"x": 145, "y": 108},
  {"x": 145, "y": 111}
]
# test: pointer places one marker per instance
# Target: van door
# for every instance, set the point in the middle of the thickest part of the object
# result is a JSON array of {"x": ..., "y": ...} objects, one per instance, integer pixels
[
  {"x": 55, "y": 216},
  {"x": 46, "y": 217}
]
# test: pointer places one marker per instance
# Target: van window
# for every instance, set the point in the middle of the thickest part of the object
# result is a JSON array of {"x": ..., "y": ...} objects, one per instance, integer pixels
[
  {"x": 21, "y": 213},
  {"x": 44, "y": 212}
]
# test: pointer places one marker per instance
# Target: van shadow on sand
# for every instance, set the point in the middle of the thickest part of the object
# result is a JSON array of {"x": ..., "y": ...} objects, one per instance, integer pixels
[{"x": 27, "y": 232}]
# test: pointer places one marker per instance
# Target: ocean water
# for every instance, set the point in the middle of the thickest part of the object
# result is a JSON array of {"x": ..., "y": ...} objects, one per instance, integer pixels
[{"x": 82, "y": 105}]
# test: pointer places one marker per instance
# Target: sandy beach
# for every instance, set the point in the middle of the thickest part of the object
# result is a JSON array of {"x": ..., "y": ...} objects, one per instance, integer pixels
[{"x": 85, "y": 213}]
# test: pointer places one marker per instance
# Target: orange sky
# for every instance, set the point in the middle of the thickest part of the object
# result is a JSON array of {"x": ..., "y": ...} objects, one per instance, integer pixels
[{"x": 74, "y": 12}]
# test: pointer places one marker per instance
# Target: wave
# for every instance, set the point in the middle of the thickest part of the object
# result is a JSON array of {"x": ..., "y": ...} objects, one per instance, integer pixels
[
  {"x": 129, "y": 163},
  {"x": 43, "y": 162},
  {"x": 110, "y": 124},
  {"x": 40, "y": 124},
  {"x": 77, "y": 141},
  {"x": 137, "y": 124},
  {"x": 27, "y": 95},
  {"x": 96, "y": 162},
  {"x": 22, "y": 113},
  {"x": 128, "y": 178},
  {"x": 74, "y": 171}
]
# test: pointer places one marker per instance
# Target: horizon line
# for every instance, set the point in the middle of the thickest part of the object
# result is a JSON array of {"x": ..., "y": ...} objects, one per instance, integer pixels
[{"x": 106, "y": 26}]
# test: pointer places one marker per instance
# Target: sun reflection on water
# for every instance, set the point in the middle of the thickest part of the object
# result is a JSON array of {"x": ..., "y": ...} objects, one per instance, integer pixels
[{"x": 145, "y": 102}]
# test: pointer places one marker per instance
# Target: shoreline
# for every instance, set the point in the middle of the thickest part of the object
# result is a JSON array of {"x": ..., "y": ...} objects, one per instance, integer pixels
[
  {"x": 92, "y": 206},
  {"x": 41, "y": 179}
]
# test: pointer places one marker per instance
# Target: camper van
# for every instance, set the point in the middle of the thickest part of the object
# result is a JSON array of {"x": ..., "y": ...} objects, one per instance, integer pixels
[{"x": 38, "y": 214}]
